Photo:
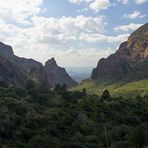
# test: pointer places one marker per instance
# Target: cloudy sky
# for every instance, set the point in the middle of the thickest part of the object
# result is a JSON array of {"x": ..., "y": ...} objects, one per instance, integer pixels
[{"x": 75, "y": 32}]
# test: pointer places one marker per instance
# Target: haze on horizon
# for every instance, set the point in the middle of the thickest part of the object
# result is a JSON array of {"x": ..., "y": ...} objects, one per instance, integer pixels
[{"x": 75, "y": 32}]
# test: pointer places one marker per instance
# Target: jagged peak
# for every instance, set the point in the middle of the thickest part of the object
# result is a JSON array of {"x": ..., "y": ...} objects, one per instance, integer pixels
[
  {"x": 141, "y": 34},
  {"x": 6, "y": 50},
  {"x": 51, "y": 62}
]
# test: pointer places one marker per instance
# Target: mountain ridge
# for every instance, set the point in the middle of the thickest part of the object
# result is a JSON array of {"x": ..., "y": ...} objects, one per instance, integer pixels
[
  {"x": 125, "y": 72},
  {"x": 28, "y": 68},
  {"x": 130, "y": 62}
]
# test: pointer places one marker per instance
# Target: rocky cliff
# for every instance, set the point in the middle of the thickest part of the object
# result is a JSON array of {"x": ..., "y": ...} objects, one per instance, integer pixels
[
  {"x": 129, "y": 63},
  {"x": 58, "y": 74},
  {"x": 15, "y": 70}
]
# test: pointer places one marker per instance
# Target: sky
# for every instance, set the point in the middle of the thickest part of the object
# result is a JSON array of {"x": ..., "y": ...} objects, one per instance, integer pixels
[{"x": 75, "y": 32}]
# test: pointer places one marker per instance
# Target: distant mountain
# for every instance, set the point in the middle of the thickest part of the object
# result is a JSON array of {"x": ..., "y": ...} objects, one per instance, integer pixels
[
  {"x": 129, "y": 63},
  {"x": 79, "y": 73},
  {"x": 15, "y": 70},
  {"x": 58, "y": 74}
]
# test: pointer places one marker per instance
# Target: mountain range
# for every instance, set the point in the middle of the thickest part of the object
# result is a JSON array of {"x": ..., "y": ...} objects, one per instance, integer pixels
[
  {"x": 16, "y": 71},
  {"x": 79, "y": 73},
  {"x": 124, "y": 72}
]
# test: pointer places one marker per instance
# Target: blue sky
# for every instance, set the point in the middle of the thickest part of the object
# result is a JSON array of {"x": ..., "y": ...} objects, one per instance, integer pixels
[{"x": 75, "y": 32}]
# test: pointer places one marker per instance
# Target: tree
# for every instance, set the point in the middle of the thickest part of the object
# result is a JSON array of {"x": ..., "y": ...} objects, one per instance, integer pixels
[
  {"x": 57, "y": 88},
  {"x": 4, "y": 84},
  {"x": 106, "y": 95},
  {"x": 84, "y": 91},
  {"x": 30, "y": 85},
  {"x": 105, "y": 130},
  {"x": 20, "y": 91},
  {"x": 138, "y": 137},
  {"x": 64, "y": 87},
  {"x": 44, "y": 142},
  {"x": 60, "y": 89}
]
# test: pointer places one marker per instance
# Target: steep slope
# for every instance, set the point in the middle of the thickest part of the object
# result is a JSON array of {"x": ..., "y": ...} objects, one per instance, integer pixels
[
  {"x": 28, "y": 67},
  {"x": 129, "y": 63},
  {"x": 15, "y": 70},
  {"x": 58, "y": 74},
  {"x": 124, "y": 72},
  {"x": 10, "y": 74}
]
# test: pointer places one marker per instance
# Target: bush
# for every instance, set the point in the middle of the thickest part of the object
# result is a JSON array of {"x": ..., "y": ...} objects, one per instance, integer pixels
[{"x": 121, "y": 144}]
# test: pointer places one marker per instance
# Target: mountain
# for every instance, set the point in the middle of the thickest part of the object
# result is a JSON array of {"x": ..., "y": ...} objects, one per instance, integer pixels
[
  {"x": 79, "y": 73},
  {"x": 124, "y": 72},
  {"x": 58, "y": 74},
  {"x": 129, "y": 63},
  {"x": 15, "y": 70},
  {"x": 26, "y": 68}
]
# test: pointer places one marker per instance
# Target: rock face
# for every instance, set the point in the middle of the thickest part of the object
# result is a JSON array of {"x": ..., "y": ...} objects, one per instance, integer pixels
[
  {"x": 58, "y": 74},
  {"x": 24, "y": 68},
  {"x": 15, "y": 70},
  {"x": 129, "y": 63}
]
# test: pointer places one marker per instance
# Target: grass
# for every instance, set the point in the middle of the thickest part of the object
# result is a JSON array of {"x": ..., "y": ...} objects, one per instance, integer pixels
[{"x": 116, "y": 89}]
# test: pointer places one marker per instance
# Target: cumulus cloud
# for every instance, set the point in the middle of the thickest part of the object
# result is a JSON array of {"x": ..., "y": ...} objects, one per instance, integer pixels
[
  {"x": 133, "y": 15},
  {"x": 79, "y": 1},
  {"x": 101, "y": 37},
  {"x": 89, "y": 55},
  {"x": 98, "y": 5},
  {"x": 126, "y": 28},
  {"x": 74, "y": 39},
  {"x": 66, "y": 29},
  {"x": 19, "y": 10},
  {"x": 95, "y": 5},
  {"x": 141, "y": 1},
  {"x": 48, "y": 37}
]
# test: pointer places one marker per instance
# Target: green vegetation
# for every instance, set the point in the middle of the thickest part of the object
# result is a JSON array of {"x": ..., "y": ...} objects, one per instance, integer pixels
[
  {"x": 37, "y": 117},
  {"x": 131, "y": 89}
]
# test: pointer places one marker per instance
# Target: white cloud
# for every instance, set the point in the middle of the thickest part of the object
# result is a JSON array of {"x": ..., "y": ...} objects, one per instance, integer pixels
[
  {"x": 63, "y": 30},
  {"x": 126, "y": 28},
  {"x": 48, "y": 37},
  {"x": 51, "y": 37},
  {"x": 87, "y": 56},
  {"x": 100, "y": 37},
  {"x": 135, "y": 14},
  {"x": 19, "y": 10},
  {"x": 74, "y": 39},
  {"x": 97, "y": 5},
  {"x": 82, "y": 10},
  {"x": 123, "y": 1},
  {"x": 141, "y": 1},
  {"x": 79, "y": 1}
]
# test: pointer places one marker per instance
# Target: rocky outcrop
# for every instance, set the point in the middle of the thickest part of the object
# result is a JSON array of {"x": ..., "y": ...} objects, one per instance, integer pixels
[
  {"x": 15, "y": 70},
  {"x": 58, "y": 74},
  {"x": 129, "y": 63}
]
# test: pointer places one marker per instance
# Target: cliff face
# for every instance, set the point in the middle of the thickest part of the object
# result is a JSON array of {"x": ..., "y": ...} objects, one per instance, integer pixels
[
  {"x": 25, "y": 68},
  {"x": 129, "y": 63},
  {"x": 15, "y": 70},
  {"x": 58, "y": 74}
]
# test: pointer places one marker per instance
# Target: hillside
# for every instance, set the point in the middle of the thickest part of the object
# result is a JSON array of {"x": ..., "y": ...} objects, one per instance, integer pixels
[
  {"x": 129, "y": 63},
  {"x": 131, "y": 89},
  {"x": 36, "y": 117},
  {"x": 15, "y": 70},
  {"x": 124, "y": 72},
  {"x": 58, "y": 74}
]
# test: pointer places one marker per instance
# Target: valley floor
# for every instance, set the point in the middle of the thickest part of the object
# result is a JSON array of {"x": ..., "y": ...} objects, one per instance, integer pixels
[{"x": 117, "y": 89}]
